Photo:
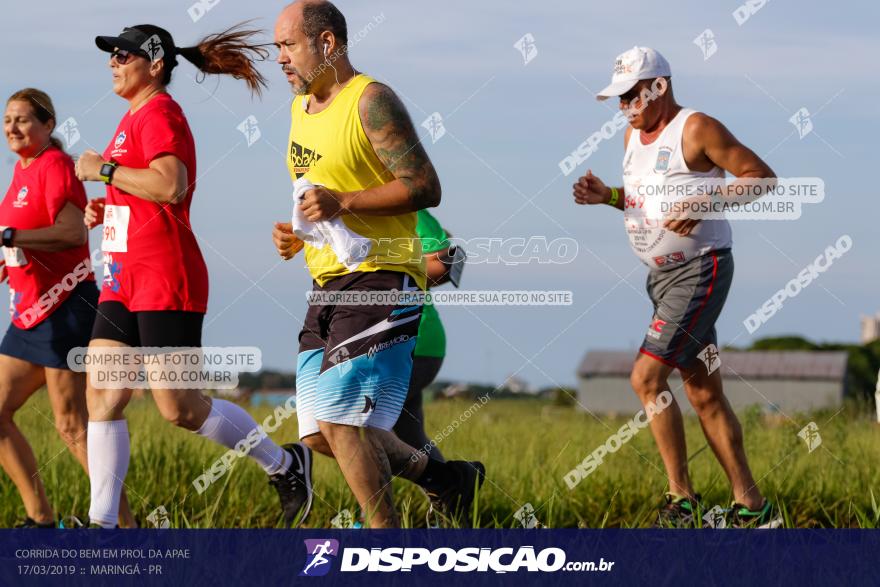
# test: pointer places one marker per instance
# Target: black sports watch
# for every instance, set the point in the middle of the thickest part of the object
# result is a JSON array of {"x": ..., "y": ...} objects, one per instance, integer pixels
[
  {"x": 454, "y": 259},
  {"x": 8, "y": 235},
  {"x": 107, "y": 171}
]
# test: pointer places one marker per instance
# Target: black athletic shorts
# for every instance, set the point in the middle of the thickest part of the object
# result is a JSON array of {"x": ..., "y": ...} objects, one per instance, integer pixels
[
  {"x": 156, "y": 328},
  {"x": 66, "y": 328},
  {"x": 355, "y": 361}
]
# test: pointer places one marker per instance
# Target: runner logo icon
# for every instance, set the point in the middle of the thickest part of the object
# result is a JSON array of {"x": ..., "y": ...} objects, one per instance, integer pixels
[{"x": 320, "y": 554}]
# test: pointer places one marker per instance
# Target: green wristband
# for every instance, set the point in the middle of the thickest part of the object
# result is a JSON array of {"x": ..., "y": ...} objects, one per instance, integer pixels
[{"x": 615, "y": 195}]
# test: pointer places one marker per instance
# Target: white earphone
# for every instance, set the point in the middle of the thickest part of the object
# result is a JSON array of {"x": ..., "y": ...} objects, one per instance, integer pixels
[{"x": 329, "y": 62}]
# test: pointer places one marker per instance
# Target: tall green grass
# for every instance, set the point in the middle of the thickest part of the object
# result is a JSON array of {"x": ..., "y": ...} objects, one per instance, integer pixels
[{"x": 527, "y": 447}]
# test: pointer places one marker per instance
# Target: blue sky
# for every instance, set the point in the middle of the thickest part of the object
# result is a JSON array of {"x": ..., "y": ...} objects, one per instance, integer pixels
[{"x": 508, "y": 126}]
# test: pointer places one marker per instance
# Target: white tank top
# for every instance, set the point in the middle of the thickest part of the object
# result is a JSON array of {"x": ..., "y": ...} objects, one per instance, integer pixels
[{"x": 654, "y": 166}]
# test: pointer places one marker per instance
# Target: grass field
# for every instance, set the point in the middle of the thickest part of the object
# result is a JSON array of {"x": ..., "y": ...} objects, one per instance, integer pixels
[{"x": 527, "y": 447}]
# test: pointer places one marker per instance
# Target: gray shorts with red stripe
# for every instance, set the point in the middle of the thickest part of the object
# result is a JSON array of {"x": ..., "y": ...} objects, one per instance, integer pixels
[{"x": 687, "y": 302}]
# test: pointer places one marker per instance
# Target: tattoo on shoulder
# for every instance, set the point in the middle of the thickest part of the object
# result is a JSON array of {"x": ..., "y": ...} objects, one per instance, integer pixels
[
  {"x": 394, "y": 139},
  {"x": 383, "y": 108}
]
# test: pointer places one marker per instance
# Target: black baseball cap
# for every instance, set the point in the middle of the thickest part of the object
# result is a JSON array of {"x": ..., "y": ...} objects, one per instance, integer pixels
[{"x": 143, "y": 39}]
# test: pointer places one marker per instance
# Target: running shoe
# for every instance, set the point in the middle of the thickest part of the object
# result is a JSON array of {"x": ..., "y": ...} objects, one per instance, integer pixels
[
  {"x": 455, "y": 501},
  {"x": 294, "y": 486},
  {"x": 30, "y": 523},
  {"x": 70, "y": 523},
  {"x": 96, "y": 526},
  {"x": 766, "y": 516},
  {"x": 679, "y": 512}
]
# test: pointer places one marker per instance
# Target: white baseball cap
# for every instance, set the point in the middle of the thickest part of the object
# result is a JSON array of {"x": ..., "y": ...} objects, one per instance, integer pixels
[{"x": 631, "y": 66}]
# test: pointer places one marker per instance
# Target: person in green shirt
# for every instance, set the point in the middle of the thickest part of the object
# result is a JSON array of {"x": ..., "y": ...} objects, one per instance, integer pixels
[{"x": 431, "y": 343}]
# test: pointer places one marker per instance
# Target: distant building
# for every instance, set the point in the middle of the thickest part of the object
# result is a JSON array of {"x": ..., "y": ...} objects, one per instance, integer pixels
[
  {"x": 870, "y": 328},
  {"x": 455, "y": 390},
  {"x": 786, "y": 381},
  {"x": 518, "y": 385}
]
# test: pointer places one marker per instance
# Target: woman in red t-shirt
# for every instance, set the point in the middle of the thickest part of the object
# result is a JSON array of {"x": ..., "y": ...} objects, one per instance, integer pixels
[
  {"x": 155, "y": 288},
  {"x": 52, "y": 295}
]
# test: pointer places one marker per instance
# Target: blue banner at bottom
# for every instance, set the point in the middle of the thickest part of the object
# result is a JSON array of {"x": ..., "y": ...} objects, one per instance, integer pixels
[{"x": 432, "y": 557}]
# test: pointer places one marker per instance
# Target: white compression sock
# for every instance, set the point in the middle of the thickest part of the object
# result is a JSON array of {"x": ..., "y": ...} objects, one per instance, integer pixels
[
  {"x": 109, "y": 452},
  {"x": 228, "y": 424}
]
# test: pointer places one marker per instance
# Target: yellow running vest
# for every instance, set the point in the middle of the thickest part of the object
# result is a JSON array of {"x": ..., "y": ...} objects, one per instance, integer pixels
[{"x": 333, "y": 150}]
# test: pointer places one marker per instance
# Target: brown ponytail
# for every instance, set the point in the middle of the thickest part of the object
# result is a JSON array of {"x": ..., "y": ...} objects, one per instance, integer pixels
[
  {"x": 42, "y": 106},
  {"x": 230, "y": 52}
]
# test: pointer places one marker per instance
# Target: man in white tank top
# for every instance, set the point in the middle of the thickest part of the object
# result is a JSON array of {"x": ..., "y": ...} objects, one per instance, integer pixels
[{"x": 670, "y": 149}]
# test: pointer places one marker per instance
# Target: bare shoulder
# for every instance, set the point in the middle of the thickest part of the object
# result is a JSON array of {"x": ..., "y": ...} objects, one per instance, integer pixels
[
  {"x": 394, "y": 139},
  {"x": 700, "y": 127},
  {"x": 379, "y": 106},
  {"x": 376, "y": 89}
]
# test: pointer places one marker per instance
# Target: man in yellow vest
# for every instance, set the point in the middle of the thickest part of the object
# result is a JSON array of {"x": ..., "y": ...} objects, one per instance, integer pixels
[{"x": 352, "y": 138}]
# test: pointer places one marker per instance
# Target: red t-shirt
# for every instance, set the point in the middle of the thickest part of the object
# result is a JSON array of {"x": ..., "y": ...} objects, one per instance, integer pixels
[
  {"x": 40, "y": 281},
  {"x": 151, "y": 258}
]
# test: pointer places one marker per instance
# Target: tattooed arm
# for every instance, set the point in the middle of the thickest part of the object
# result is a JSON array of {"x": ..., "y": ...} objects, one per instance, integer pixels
[
  {"x": 393, "y": 136},
  {"x": 391, "y": 133}
]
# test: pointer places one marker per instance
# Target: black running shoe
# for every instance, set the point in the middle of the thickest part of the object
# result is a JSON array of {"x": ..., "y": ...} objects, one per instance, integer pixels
[
  {"x": 679, "y": 512},
  {"x": 30, "y": 523},
  {"x": 766, "y": 516},
  {"x": 455, "y": 502},
  {"x": 96, "y": 526},
  {"x": 294, "y": 486}
]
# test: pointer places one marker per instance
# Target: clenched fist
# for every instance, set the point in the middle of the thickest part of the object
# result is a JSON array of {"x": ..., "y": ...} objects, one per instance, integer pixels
[
  {"x": 286, "y": 243},
  {"x": 591, "y": 190}
]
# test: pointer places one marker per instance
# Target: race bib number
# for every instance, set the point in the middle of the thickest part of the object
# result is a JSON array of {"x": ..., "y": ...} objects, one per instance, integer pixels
[
  {"x": 13, "y": 256},
  {"x": 116, "y": 229}
]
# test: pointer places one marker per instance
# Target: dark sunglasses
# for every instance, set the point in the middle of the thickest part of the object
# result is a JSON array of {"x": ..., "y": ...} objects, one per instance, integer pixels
[{"x": 122, "y": 56}]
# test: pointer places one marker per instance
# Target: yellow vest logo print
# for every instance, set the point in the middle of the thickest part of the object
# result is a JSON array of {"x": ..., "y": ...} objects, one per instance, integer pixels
[{"x": 302, "y": 159}]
